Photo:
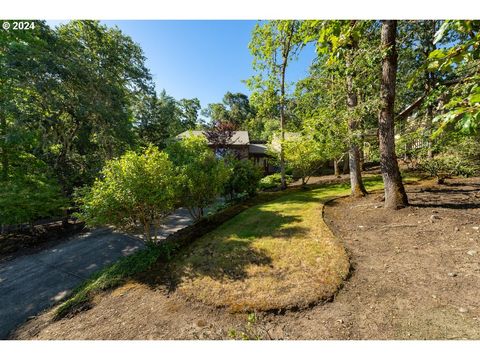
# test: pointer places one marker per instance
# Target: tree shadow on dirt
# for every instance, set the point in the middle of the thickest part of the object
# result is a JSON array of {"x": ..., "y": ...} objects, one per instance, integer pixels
[
  {"x": 447, "y": 205},
  {"x": 449, "y": 198},
  {"x": 225, "y": 253}
]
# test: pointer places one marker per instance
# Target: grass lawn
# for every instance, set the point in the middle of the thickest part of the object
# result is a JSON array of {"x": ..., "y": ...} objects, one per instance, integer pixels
[{"x": 276, "y": 255}]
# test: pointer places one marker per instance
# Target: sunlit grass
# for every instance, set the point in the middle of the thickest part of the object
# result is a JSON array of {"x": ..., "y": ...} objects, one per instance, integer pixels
[{"x": 275, "y": 255}]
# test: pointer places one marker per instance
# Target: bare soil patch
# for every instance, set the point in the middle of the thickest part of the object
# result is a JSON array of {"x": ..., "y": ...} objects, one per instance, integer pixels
[{"x": 416, "y": 276}]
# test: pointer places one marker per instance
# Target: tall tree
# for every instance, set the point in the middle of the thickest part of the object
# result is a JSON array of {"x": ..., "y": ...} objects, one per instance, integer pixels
[
  {"x": 395, "y": 195},
  {"x": 235, "y": 109},
  {"x": 66, "y": 102},
  {"x": 356, "y": 183},
  {"x": 274, "y": 45},
  {"x": 189, "y": 111},
  {"x": 347, "y": 51}
]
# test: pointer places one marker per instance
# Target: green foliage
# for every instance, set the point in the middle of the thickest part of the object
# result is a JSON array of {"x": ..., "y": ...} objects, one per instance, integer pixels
[
  {"x": 274, "y": 181},
  {"x": 412, "y": 147},
  {"x": 67, "y": 97},
  {"x": 235, "y": 109},
  {"x": 445, "y": 167},
  {"x": 304, "y": 155},
  {"x": 244, "y": 178},
  {"x": 273, "y": 45},
  {"x": 159, "y": 118},
  {"x": 136, "y": 187},
  {"x": 29, "y": 194},
  {"x": 251, "y": 330},
  {"x": 459, "y": 61},
  {"x": 202, "y": 175}
]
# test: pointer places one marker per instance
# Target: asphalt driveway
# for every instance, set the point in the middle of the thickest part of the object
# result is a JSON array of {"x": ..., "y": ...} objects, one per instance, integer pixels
[{"x": 34, "y": 282}]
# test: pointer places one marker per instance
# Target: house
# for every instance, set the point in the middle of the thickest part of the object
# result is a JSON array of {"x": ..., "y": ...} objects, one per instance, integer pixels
[{"x": 243, "y": 147}]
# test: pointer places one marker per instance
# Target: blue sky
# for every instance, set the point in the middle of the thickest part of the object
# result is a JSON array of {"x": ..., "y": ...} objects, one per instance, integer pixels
[{"x": 200, "y": 58}]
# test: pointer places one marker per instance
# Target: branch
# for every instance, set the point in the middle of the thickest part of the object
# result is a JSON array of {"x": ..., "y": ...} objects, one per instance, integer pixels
[{"x": 410, "y": 108}]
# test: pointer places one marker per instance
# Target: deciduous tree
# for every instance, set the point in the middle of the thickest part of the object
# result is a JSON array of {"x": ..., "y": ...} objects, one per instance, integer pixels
[
  {"x": 274, "y": 45},
  {"x": 395, "y": 195}
]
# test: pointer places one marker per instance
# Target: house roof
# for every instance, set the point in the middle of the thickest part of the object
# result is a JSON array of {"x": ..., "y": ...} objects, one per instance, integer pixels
[
  {"x": 257, "y": 148},
  {"x": 238, "y": 137}
]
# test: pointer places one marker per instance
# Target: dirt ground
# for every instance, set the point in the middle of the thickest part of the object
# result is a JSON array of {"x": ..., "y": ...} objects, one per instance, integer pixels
[{"x": 415, "y": 275}]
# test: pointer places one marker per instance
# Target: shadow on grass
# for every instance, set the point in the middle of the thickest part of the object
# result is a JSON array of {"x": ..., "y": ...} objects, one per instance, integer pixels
[{"x": 227, "y": 252}]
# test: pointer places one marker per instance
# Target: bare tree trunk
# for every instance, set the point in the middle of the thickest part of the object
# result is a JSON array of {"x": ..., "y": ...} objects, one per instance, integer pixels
[
  {"x": 429, "y": 82},
  {"x": 147, "y": 233},
  {"x": 395, "y": 196},
  {"x": 356, "y": 183},
  {"x": 362, "y": 152},
  {"x": 282, "y": 124},
  {"x": 346, "y": 167},
  {"x": 336, "y": 169}
]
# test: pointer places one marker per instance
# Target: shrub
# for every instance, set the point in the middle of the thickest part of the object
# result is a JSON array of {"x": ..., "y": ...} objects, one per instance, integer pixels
[
  {"x": 444, "y": 167},
  {"x": 136, "y": 187},
  {"x": 273, "y": 181},
  {"x": 244, "y": 178},
  {"x": 202, "y": 174}
]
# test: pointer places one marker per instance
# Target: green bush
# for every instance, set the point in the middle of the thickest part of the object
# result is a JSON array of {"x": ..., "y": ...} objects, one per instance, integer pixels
[
  {"x": 244, "y": 178},
  {"x": 137, "y": 187},
  {"x": 273, "y": 181},
  {"x": 202, "y": 175},
  {"x": 444, "y": 167},
  {"x": 304, "y": 156}
]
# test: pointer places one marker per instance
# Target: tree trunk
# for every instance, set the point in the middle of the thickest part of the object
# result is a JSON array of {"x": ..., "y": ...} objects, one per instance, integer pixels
[
  {"x": 395, "y": 196},
  {"x": 287, "y": 47},
  {"x": 429, "y": 46},
  {"x": 346, "y": 167},
  {"x": 356, "y": 183},
  {"x": 282, "y": 125},
  {"x": 336, "y": 169},
  {"x": 147, "y": 233},
  {"x": 362, "y": 153}
]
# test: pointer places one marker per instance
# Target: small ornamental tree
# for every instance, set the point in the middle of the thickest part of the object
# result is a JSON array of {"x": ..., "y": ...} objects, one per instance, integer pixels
[
  {"x": 136, "y": 187},
  {"x": 220, "y": 134},
  {"x": 303, "y": 155},
  {"x": 202, "y": 174},
  {"x": 244, "y": 178}
]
